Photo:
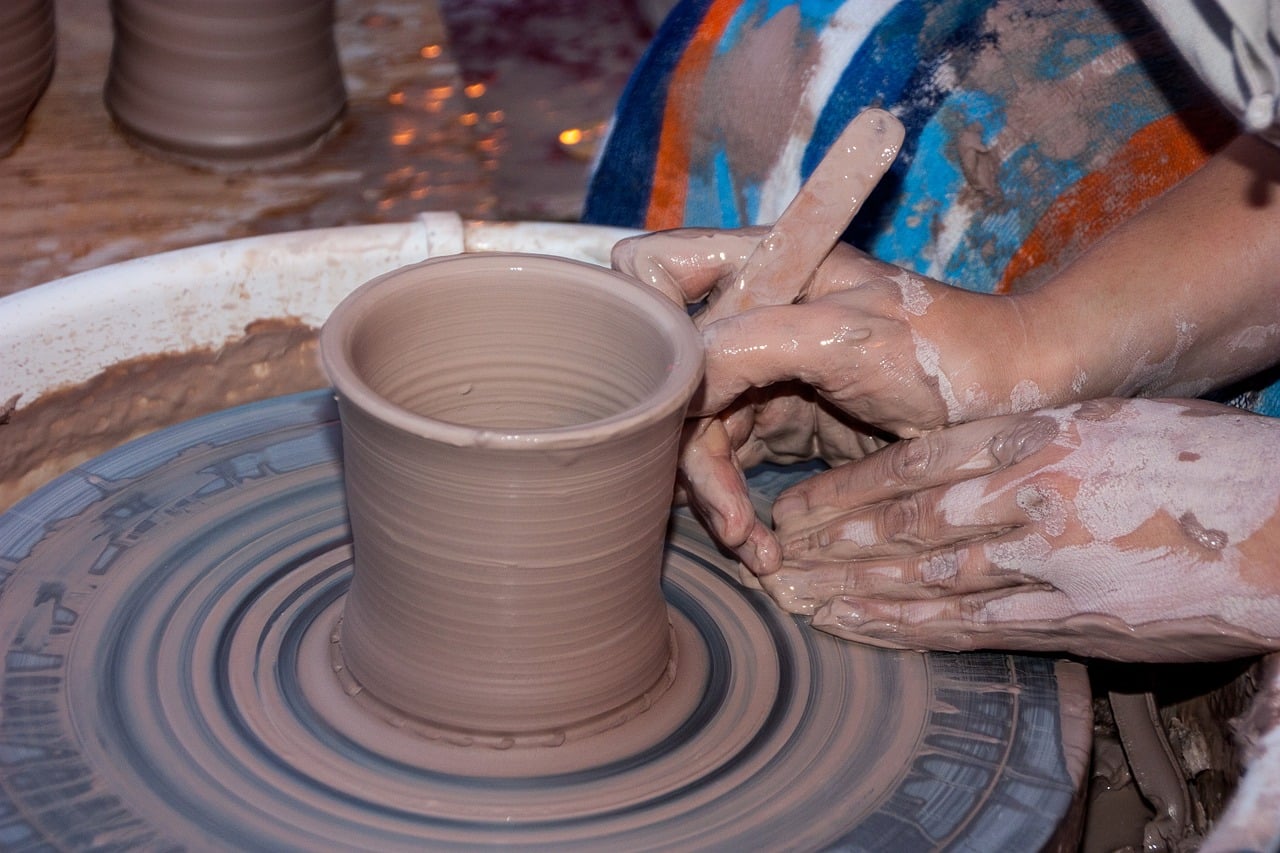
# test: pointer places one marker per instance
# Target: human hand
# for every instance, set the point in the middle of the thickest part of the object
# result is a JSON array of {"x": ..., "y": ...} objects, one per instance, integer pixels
[
  {"x": 872, "y": 348},
  {"x": 898, "y": 351},
  {"x": 1129, "y": 529}
]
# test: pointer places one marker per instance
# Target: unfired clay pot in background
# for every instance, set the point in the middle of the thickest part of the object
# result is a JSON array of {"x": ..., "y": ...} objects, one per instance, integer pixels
[
  {"x": 27, "y": 47},
  {"x": 225, "y": 82},
  {"x": 510, "y": 426}
]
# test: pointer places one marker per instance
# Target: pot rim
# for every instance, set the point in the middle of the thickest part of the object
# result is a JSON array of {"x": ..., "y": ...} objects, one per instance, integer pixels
[{"x": 672, "y": 395}]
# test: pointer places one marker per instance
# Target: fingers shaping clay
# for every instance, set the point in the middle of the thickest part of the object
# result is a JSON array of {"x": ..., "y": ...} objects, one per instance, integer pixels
[{"x": 178, "y": 617}]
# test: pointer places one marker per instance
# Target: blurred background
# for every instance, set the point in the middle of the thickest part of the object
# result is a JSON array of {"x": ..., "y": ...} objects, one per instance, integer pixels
[{"x": 492, "y": 108}]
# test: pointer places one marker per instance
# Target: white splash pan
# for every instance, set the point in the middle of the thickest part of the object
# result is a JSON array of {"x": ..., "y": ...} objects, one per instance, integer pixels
[
  {"x": 64, "y": 332},
  {"x": 67, "y": 331}
]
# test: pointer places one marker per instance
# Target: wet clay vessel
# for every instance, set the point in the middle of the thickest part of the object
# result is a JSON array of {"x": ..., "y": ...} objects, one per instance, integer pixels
[
  {"x": 27, "y": 47},
  {"x": 227, "y": 84},
  {"x": 510, "y": 427}
]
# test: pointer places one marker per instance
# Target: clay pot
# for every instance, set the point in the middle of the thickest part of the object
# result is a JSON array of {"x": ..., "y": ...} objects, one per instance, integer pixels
[
  {"x": 27, "y": 46},
  {"x": 510, "y": 427},
  {"x": 225, "y": 82}
]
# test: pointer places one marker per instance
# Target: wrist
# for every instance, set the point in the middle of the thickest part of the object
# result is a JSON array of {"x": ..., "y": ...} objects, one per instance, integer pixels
[
  {"x": 1062, "y": 355},
  {"x": 1013, "y": 359}
]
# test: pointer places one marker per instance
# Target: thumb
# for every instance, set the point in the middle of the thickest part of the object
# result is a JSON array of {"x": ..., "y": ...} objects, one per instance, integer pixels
[
  {"x": 772, "y": 344},
  {"x": 686, "y": 263}
]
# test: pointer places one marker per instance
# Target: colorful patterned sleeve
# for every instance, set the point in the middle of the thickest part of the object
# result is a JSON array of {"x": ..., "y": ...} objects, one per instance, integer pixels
[{"x": 1033, "y": 126}]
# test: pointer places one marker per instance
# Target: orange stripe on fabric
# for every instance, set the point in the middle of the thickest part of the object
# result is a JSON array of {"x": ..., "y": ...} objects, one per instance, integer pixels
[
  {"x": 1153, "y": 160},
  {"x": 671, "y": 170}
]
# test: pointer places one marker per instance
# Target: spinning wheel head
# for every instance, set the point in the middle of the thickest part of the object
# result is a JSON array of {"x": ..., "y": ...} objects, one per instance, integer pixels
[{"x": 166, "y": 616}]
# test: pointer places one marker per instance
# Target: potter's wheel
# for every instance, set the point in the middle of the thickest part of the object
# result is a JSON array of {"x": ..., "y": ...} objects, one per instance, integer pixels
[{"x": 166, "y": 612}]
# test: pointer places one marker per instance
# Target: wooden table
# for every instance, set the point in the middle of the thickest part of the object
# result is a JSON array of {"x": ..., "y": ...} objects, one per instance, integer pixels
[{"x": 76, "y": 194}]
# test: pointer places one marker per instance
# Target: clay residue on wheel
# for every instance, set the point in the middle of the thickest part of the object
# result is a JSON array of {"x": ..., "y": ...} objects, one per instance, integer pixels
[{"x": 48, "y": 436}]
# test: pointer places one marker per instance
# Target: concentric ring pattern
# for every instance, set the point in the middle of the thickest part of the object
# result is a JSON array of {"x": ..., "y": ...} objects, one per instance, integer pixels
[{"x": 166, "y": 616}]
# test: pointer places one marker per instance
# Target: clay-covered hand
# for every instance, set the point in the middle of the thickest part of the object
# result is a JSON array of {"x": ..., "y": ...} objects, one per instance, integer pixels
[
  {"x": 890, "y": 348},
  {"x": 1130, "y": 529},
  {"x": 872, "y": 348}
]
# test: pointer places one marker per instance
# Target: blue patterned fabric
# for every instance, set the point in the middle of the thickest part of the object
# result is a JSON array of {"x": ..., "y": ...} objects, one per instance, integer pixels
[{"x": 1033, "y": 127}]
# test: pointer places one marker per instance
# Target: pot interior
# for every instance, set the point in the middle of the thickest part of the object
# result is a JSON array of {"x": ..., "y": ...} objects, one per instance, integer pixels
[{"x": 517, "y": 349}]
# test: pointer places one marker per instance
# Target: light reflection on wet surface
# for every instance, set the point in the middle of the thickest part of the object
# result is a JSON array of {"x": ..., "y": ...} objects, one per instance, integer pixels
[
  {"x": 467, "y": 118},
  {"x": 537, "y": 70},
  {"x": 520, "y": 94}
]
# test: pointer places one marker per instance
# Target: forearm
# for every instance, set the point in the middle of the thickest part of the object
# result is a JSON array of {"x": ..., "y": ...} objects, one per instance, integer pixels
[{"x": 1183, "y": 298}]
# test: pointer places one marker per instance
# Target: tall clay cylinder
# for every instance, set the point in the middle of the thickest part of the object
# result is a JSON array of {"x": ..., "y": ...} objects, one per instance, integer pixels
[
  {"x": 510, "y": 428},
  {"x": 27, "y": 48},
  {"x": 233, "y": 82}
]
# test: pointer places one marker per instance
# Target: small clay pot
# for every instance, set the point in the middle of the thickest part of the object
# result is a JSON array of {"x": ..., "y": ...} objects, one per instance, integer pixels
[
  {"x": 225, "y": 83},
  {"x": 27, "y": 46},
  {"x": 510, "y": 428}
]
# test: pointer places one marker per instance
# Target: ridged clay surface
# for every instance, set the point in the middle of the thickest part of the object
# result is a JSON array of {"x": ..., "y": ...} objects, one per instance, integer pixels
[{"x": 510, "y": 429}]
